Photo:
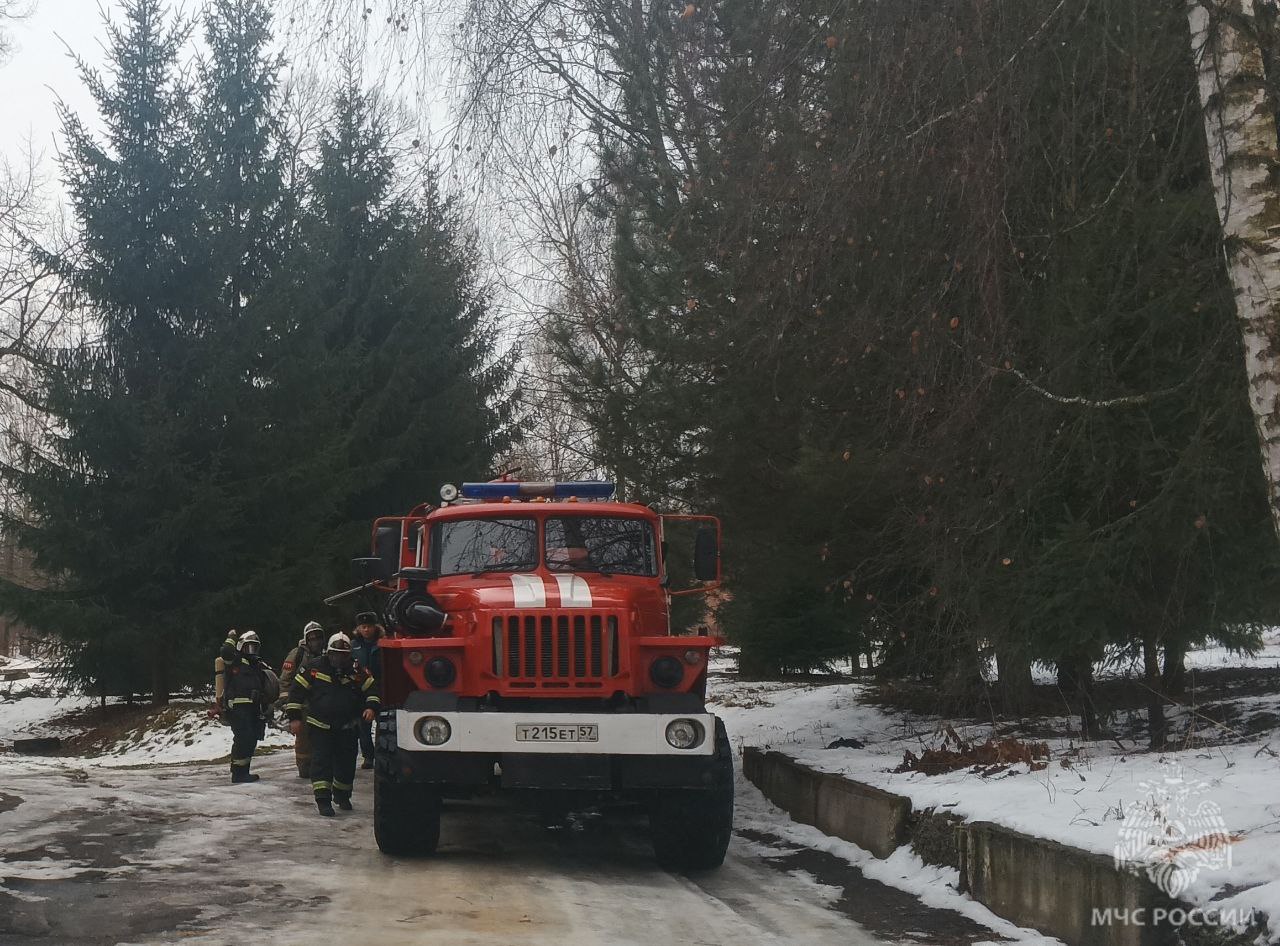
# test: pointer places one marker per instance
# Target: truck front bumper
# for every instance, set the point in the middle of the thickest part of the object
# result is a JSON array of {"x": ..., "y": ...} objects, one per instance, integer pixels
[{"x": 489, "y": 734}]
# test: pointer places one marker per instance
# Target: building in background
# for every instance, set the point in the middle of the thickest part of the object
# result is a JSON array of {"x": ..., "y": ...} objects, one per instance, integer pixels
[{"x": 16, "y": 639}]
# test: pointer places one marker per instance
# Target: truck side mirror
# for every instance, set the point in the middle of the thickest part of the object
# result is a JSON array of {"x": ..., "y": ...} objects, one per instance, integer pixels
[
  {"x": 706, "y": 555},
  {"x": 386, "y": 549}
]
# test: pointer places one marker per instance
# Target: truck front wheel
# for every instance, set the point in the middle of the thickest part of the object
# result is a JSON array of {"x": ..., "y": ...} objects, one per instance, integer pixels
[
  {"x": 406, "y": 818},
  {"x": 690, "y": 828}
]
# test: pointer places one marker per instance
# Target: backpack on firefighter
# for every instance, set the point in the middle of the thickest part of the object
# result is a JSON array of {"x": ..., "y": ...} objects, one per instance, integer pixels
[
  {"x": 269, "y": 695},
  {"x": 219, "y": 689}
]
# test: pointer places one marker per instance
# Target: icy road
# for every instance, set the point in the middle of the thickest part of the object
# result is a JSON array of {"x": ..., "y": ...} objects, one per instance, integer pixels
[{"x": 171, "y": 854}]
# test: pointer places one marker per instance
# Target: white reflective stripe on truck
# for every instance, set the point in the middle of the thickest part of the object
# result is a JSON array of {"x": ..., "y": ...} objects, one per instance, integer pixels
[{"x": 616, "y": 733}]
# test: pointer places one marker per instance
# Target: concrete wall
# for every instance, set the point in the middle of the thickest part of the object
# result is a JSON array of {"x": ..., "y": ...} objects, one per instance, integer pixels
[
  {"x": 1056, "y": 889},
  {"x": 1030, "y": 881},
  {"x": 870, "y": 818}
]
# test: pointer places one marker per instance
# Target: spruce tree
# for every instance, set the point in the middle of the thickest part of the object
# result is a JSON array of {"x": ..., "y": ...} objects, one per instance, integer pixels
[
  {"x": 101, "y": 491},
  {"x": 940, "y": 333},
  {"x": 384, "y": 377},
  {"x": 136, "y": 501}
]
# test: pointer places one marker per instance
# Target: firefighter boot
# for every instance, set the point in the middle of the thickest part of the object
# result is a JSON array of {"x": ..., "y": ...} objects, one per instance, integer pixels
[
  {"x": 241, "y": 774},
  {"x": 324, "y": 806},
  {"x": 342, "y": 800}
]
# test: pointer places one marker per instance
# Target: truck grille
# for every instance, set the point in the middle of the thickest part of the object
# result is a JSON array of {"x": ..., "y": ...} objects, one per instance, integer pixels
[{"x": 563, "y": 651}]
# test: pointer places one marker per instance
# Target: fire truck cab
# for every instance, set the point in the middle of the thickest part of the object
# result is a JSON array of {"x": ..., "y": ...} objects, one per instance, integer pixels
[{"x": 530, "y": 651}]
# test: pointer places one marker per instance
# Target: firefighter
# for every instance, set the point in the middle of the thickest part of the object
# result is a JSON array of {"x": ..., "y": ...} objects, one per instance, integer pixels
[
  {"x": 310, "y": 649},
  {"x": 364, "y": 650},
  {"x": 245, "y": 697},
  {"x": 327, "y": 698}
]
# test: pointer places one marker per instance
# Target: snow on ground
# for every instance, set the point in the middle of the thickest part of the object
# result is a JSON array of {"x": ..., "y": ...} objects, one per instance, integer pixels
[
  {"x": 934, "y": 886},
  {"x": 37, "y": 716},
  {"x": 33, "y": 705},
  {"x": 1209, "y": 658},
  {"x": 1081, "y": 798},
  {"x": 181, "y": 733},
  {"x": 1119, "y": 664},
  {"x": 189, "y": 737}
]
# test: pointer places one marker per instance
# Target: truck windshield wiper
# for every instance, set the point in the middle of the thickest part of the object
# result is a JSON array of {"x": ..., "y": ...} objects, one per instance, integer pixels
[
  {"x": 504, "y": 567},
  {"x": 606, "y": 569}
]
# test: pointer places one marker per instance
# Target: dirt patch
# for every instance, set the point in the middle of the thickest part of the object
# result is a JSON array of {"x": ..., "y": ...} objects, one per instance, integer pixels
[
  {"x": 991, "y": 757},
  {"x": 935, "y": 836},
  {"x": 74, "y": 913},
  {"x": 8, "y": 802},
  {"x": 102, "y": 728},
  {"x": 1210, "y": 712}
]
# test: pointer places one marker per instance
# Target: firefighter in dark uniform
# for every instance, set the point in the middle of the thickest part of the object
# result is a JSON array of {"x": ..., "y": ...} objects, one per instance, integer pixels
[
  {"x": 365, "y": 651},
  {"x": 310, "y": 649},
  {"x": 330, "y": 697},
  {"x": 244, "y": 699}
]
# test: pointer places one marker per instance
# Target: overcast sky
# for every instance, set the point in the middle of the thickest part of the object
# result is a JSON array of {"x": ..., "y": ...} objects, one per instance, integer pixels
[{"x": 41, "y": 70}]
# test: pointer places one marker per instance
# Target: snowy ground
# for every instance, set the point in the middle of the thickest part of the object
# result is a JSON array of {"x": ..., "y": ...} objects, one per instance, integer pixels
[
  {"x": 35, "y": 706},
  {"x": 173, "y": 854},
  {"x": 151, "y": 788},
  {"x": 144, "y": 842},
  {"x": 32, "y": 704},
  {"x": 1082, "y": 797}
]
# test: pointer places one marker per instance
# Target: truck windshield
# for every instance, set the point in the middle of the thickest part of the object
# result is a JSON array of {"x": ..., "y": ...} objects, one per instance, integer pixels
[
  {"x": 485, "y": 545},
  {"x": 601, "y": 544}
]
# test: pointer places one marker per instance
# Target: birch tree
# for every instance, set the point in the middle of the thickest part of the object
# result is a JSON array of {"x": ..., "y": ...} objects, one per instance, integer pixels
[{"x": 1244, "y": 157}]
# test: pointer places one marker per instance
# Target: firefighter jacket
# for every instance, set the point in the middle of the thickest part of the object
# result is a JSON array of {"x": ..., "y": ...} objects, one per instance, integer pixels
[
  {"x": 366, "y": 654},
  {"x": 245, "y": 680},
  {"x": 331, "y": 698},
  {"x": 296, "y": 659}
]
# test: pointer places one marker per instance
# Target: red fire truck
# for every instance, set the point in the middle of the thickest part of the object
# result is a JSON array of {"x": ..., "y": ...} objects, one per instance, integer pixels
[{"x": 531, "y": 652}]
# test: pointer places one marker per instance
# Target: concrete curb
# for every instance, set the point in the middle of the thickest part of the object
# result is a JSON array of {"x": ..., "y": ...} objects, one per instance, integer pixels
[
  {"x": 870, "y": 818},
  {"x": 1033, "y": 882}
]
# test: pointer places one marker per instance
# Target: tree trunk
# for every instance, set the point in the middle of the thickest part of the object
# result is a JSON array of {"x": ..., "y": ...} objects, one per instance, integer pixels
[
  {"x": 159, "y": 678},
  {"x": 1155, "y": 692},
  {"x": 1174, "y": 676},
  {"x": 1013, "y": 670},
  {"x": 1240, "y": 127},
  {"x": 1075, "y": 680}
]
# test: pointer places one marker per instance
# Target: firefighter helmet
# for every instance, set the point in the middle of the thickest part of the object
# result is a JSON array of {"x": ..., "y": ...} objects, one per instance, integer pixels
[
  {"x": 339, "y": 643},
  {"x": 249, "y": 643},
  {"x": 312, "y": 627}
]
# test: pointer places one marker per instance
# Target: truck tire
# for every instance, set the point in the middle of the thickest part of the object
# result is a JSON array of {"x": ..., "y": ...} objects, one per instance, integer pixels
[
  {"x": 690, "y": 828},
  {"x": 406, "y": 818}
]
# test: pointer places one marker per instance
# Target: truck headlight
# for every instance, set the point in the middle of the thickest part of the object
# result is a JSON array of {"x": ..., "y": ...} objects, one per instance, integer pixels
[
  {"x": 441, "y": 672},
  {"x": 433, "y": 731},
  {"x": 684, "y": 734},
  {"x": 666, "y": 672}
]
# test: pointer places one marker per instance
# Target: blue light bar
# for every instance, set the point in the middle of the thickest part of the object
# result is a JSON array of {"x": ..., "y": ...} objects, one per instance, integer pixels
[
  {"x": 488, "y": 490},
  {"x": 583, "y": 489}
]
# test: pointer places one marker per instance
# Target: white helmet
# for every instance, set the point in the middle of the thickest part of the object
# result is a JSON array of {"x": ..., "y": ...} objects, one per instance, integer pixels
[
  {"x": 340, "y": 643},
  {"x": 249, "y": 643},
  {"x": 311, "y": 627}
]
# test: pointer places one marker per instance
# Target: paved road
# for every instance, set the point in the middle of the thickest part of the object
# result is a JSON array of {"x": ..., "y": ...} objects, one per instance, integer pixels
[{"x": 96, "y": 857}]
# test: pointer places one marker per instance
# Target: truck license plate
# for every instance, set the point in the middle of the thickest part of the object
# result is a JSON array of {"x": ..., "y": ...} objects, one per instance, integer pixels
[{"x": 540, "y": 732}]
